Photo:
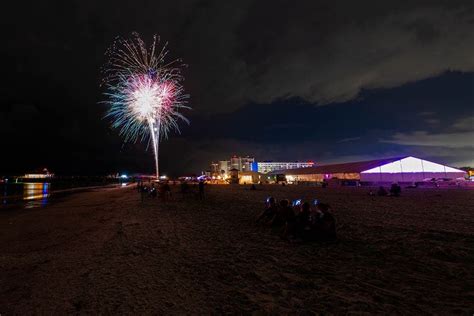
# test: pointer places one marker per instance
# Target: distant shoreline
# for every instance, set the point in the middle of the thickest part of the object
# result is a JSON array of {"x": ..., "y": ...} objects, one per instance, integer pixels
[{"x": 16, "y": 202}]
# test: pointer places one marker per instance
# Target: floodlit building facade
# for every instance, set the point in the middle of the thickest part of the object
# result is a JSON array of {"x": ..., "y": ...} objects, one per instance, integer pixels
[
  {"x": 265, "y": 167},
  {"x": 245, "y": 164},
  {"x": 235, "y": 162},
  {"x": 224, "y": 166},
  {"x": 397, "y": 169},
  {"x": 215, "y": 168},
  {"x": 249, "y": 177},
  {"x": 241, "y": 163}
]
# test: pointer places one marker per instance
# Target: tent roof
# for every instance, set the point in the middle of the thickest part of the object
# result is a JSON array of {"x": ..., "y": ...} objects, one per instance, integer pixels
[
  {"x": 410, "y": 164},
  {"x": 350, "y": 167}
]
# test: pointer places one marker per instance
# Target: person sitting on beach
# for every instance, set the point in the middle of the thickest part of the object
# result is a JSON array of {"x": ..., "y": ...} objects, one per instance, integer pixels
[
  {"x": 289, "y": 220},
  {"x": 308, "y": 229},
  {"x": 382, "y": 192},
  {"x": 270, "y": 211},
  {"x": 279, "y": 220},
  {"x": 395, "y": 189},
  {"x": 325, "y": 224},
  {"x": 303, "y": 220}
]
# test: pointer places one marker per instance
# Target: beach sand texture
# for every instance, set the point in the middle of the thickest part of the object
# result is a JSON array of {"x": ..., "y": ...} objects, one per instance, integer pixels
[{"x": 107, "y": 252}]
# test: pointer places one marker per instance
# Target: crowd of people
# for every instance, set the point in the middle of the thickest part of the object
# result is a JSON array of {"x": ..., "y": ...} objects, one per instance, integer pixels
[
  {"x": 163, "y": 190},
  {"x": 299, "y": 221},
  {"x": 153, "y": 190}
]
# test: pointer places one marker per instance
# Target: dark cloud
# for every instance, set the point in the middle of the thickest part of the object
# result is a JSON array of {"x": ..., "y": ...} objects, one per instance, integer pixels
[
  {"x": 258, "y": 52},
  {"x": 329, "y": 53},
  {"x": 454, "y": 142},
  {"x": 464, "y": 124},
  {"x": 327, "y": 58},
  {"x": 384, "y": 123},
  {"x": 257, "y": 72},
  {"x": 423, "y": 138}
]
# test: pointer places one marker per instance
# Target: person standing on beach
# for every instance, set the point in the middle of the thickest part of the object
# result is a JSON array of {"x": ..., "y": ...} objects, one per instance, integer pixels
[
  {"x": 184, "y": 188},
  {"x": 165, "y": 191},
  {"x": 153, "y": 192},
  {"x": 143, "y": 191}
]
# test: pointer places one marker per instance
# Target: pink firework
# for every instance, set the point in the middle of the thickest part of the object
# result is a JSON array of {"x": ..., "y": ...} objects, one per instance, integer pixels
[{"x": 145, "y": 93}]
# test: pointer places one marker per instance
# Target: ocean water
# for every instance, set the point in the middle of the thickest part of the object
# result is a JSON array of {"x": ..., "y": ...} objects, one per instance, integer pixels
[{"x": 30, "y": 194}]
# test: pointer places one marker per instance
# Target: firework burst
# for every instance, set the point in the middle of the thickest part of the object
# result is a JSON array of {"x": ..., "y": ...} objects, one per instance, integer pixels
[{"x": 144, "y": 92}]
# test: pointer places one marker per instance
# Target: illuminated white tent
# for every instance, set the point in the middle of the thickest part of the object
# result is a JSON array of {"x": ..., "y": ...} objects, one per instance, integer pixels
[
  {"x": 396, "y": 169},
  {"x": 410, "y": 169}
]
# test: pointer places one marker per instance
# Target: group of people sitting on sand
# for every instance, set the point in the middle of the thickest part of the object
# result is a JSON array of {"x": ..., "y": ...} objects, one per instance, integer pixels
[
  {"x": 395, "y": 190},
  {"x": 299, "y": 221}
]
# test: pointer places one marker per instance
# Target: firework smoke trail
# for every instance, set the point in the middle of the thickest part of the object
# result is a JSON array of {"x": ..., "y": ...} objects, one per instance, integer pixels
[{"x": 144, "y": 92}]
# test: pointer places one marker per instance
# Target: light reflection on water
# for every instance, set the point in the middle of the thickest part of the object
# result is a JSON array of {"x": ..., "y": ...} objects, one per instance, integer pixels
[{"x": 35, "y": 194}]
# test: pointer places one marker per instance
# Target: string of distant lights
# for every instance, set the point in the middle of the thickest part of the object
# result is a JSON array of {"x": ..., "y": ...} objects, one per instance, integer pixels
[{"x": 144, "y": 92}]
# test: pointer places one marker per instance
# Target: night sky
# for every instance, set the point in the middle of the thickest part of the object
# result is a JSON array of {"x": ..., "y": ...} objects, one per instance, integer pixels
[{"x": 326, "y": 81}]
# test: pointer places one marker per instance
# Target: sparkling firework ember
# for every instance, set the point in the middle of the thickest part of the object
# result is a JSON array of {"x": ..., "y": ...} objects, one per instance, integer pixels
[{"x": 145, "y": 94}]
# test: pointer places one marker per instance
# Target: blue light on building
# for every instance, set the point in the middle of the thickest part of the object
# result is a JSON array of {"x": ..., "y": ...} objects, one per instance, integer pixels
[{"x": 254, "y": 166}]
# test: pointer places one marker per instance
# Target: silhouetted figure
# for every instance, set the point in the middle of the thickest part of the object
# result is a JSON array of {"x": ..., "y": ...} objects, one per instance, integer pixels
[
  {"x": 279, "y": 219},
  {"x": 269, "y": 213},
  {"x": 325, "y": 224},
  {"x": 165, "y": 191},
  {"x": 184, "y": 188},
  {"x": 153, "y": 193},
  {"x": 303, "y": 220},
  {"x": 201, "y": 190},
  {"x": 289, "y": 218},
  {"x": 139, "y": 186},
  {"x": 395, "y": 189},
  {"x": 168, "y": 189},
  {"x": 382, "y": 192},
  {"x": 253, "y": 187},
  {"x": 143, "y": 192}
]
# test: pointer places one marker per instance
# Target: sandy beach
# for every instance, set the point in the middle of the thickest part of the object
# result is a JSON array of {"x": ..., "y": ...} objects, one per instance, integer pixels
[{"x": 107, "y": 252}]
